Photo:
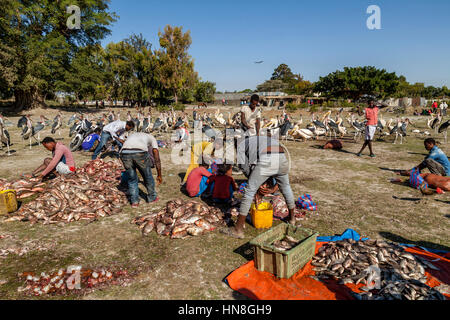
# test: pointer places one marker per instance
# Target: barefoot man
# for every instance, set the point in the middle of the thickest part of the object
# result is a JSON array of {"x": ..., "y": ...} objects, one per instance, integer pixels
[
  {"x": 61, "y": 163},
  {"x": 371, "y": 126},
  {"x": 261, "y": 158}
]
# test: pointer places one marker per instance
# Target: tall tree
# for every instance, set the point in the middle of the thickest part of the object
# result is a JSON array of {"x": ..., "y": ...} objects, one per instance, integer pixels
[
  {"x": 283, "y": 73},
  {"x": 176, "y": 67},
  {"x": 85, "y": 74},
  {"x": 36, "y": 38}
]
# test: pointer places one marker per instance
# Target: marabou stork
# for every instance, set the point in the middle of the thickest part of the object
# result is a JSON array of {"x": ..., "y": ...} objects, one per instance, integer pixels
[
  {"x": 57, "y": 123},
  {"x": 444, "y": 129},
  {"x": 22, "y": 122},
  {"x": 4, "y": 137}
]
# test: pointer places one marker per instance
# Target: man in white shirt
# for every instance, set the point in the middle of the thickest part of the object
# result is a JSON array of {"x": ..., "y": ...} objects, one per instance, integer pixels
[
  {"x": 442, "y": 107},
  {"x": 140, "y": 151},
  {"x": 445, "y": 107},
  {"x": 110, "y": 131},
  {"x": 251, "y": 117}
]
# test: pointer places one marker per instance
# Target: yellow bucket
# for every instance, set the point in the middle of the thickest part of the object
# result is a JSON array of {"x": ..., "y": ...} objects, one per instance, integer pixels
[
  {"x": 262, "y": 217},
  {"x": 8, "y": 202}
]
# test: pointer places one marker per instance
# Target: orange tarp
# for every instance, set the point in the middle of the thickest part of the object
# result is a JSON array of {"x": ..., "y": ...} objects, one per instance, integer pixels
[{"x": 264, "y": 286}]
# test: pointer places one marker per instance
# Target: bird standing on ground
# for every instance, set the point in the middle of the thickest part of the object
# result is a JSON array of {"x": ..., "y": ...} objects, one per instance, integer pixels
[
  {"x": 444, "y": 129},
  {"x": 4, "y": 136},
  {"x": 436, "y": 122},
  {"x": 57, "y": 123}
]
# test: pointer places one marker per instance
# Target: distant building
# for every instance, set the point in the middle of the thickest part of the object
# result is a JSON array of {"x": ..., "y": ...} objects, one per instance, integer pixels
[{"x": 62, "y": 96}]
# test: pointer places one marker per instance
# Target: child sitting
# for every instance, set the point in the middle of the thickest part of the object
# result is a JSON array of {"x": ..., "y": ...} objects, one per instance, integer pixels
[{"x": 223, "y": 184}]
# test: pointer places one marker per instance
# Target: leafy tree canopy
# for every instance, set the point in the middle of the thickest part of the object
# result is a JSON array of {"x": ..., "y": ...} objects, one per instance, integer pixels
[{"x": 354, "y": 83}]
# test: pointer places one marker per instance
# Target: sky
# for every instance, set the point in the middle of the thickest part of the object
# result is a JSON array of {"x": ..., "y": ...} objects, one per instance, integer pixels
[{"x": 313, "y": 38}]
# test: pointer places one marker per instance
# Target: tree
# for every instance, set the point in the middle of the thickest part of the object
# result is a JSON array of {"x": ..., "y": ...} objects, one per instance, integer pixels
[
  {"x": 272, "y": 85},
  {"x": 353, "y": 83},
  {"x": 85, "y": 74},
  {"x": 176, "y": 67},
  {"x": 131, "y": 69},
  {"x": 204, "y": 91},
  {"x": 36, "y": 39},
  {"x": 303, "y": 87},
  {"x": 283, "y": 73}
]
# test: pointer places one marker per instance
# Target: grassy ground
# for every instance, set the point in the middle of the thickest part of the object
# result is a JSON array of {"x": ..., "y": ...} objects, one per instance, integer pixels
[{"x": 351, "y": 192}]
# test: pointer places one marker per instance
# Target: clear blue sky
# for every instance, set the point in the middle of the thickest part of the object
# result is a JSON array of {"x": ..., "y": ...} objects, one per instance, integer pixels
[{"x": 313, "y": 37}]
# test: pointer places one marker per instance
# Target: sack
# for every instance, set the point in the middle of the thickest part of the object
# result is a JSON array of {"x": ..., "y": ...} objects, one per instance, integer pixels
[
  {"x": 305, "y": 202},
  {"x": 416, "y": 180}
]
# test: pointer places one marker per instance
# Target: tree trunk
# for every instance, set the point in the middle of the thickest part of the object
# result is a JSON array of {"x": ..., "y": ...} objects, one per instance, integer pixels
[{"x": 27, "y": 99}]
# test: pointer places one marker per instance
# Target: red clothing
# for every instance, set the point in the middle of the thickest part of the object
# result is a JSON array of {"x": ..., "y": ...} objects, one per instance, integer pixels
[
  {"x": 435, "y": 105},
  {"x": 60, "y": 151},
  {"x": 222, "y": 186},
  {"x": 194, "y": 179},
  {"x": 372, "y": 116}
]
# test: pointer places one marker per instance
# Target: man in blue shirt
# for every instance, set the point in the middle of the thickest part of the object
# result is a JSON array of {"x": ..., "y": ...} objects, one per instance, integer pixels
[
  {"x": 437, "y": 162},
  {"x": 91, "y": 141}
]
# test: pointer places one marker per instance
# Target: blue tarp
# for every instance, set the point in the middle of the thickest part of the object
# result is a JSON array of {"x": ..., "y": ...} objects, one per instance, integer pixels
[
  {"x": 348, "y": 234},
  {"x": 352, "y": 234}
]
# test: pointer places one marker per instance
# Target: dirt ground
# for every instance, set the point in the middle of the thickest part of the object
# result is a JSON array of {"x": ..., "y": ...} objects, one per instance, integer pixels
[{"x": 351, "y": 192}]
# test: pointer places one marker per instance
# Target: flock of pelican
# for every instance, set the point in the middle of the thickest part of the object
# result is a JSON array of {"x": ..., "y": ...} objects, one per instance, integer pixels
[{"x": 324, "y": 125}]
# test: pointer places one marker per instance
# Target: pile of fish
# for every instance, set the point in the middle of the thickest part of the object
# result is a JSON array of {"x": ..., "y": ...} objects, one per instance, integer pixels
[
  {"x": 64, "y": 281},
  {"x": 402, "y": 275},
  {"x": 281, "y": 211},
  {"x": 181, "y": 219},
  {"x": 286, "y": 244},
  {"x": 87, "y": 195},
  {"x": 25, "y": 188}
]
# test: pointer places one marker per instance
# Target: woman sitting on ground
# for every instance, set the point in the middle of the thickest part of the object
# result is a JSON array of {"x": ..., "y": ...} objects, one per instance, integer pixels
[{"x": 197, "y": 181}]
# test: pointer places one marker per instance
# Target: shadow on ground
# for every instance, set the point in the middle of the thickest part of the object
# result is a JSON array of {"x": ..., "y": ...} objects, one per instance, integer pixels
[
  {"x": 246, "y": 251},
  {"x": 392, "y": 170},
  {"x": 425, "y": 244},
  {"x": 407, "y": 199}
]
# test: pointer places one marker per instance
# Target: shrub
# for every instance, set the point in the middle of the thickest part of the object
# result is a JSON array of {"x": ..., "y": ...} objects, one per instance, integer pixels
[{"x": 292, "y": 107}]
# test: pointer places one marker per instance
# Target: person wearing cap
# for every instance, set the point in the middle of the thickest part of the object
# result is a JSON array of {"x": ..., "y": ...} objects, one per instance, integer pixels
[{"x": 371, "y": 126}]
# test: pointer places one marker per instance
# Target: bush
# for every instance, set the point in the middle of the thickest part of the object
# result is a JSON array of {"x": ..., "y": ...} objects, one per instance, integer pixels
[
  {"x": 179, "y": 107},
  {"x": 176, "y": 107},
  {"x": 314, "y": 108},
  {"x": 291, "y": 107}
]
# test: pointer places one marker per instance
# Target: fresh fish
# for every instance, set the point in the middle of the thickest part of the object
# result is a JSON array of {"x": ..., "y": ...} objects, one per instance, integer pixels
[{"x": 148, "y": 228}]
